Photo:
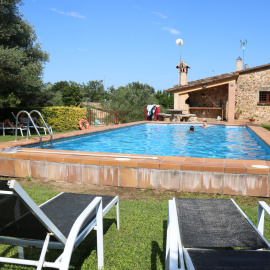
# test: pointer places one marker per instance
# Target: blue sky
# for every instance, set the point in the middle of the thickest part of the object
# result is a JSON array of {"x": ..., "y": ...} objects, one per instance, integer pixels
[{"x": 124, "y": 41}]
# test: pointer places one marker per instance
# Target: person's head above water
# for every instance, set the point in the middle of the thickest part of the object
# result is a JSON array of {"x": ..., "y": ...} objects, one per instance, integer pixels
[
  {"x": 205, "y": 124},
  {"x": 191, "y": 128}
]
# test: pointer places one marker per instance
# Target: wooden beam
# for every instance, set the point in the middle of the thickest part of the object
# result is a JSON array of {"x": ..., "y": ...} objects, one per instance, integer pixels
[{"x": 202, "y": 86}]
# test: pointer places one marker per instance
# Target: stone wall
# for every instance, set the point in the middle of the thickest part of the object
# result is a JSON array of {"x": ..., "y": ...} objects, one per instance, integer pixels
[
  {"x": 217, "y": 96},
  {"x": 247, "y": 94},
  {"x": 232, "y": 177},
  {"x": 180, "y": 102}
]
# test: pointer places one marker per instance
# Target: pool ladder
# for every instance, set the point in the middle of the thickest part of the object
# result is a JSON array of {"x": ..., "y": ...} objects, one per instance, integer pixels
[{"x": 34, "y": 125}]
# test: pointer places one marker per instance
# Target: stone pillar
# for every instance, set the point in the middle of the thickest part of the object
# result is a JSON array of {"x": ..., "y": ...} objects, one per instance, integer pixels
[
  {"x": 182, "y": 103},
  {"x": 231, "y": 101},
  {"x": 175, "y": 101}
]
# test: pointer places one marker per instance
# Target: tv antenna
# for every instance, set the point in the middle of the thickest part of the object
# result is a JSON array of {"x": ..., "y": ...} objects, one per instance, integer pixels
[
  {"x": 179, "y": 42},
  {"x": 243, "y": 45}
]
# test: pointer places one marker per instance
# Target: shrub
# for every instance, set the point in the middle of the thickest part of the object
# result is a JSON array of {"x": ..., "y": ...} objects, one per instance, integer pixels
[
  {"x": 59, "y": 118},
  {"x": 63, "y": 118}
]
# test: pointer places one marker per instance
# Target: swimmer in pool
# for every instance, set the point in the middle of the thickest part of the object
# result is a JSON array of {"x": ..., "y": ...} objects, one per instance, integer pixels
[
  {"x": 205, "y": 125},
  {"x": 191, "y": 129}
]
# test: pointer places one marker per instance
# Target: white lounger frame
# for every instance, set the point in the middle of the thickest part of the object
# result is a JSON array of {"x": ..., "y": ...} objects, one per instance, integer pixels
[
  {"x": 39, "y": 127},
  {"x": 177, "y": 254},
  {"x": 67, "y": 244},
  {"x": 3, "y": 127}
]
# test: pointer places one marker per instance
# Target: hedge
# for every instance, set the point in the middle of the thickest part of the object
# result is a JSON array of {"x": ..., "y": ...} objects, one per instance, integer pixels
[{"x": 59, "y": 118}]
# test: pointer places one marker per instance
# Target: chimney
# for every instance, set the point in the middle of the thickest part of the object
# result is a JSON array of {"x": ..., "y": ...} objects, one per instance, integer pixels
[
  {"x": 183, "y": 70},
  {"x": 238, "y": 64}
]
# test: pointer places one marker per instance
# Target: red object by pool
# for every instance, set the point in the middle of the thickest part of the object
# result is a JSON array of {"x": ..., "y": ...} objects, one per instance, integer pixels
[{"x": 157, "y": 111}]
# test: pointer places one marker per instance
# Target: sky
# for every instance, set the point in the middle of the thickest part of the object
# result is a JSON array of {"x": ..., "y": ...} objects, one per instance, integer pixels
[{"x": 125, "y": 41}]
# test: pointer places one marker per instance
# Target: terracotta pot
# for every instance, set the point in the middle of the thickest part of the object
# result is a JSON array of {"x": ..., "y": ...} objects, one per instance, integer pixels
[
  {"x": 236, "y": 115},
  {"x": 252, "y": 120}
]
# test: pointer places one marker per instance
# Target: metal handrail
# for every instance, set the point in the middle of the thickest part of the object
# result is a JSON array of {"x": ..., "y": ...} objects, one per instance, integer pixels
[
  {"x": 29, "y": 118},
  {"x": 43, "y": 122}
]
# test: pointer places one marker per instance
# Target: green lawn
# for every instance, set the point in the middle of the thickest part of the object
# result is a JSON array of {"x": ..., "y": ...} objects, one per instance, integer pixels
[
  {"x": 141, "y": 241},
  {"x": 10, "y": 137},
  {"x": 266, "y": 126}
]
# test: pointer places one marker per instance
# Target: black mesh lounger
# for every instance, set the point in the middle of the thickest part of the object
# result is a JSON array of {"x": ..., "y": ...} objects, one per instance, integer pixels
[
  {"x": 60, "y": 223},
  {"x": 214, "y": 234}
]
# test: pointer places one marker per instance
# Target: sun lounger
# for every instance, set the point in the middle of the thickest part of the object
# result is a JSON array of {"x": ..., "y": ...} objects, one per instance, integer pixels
[
  {"x": 4, "y": 128},
  {"x": 38, "y": 127},
  {"x": 31, "y": 126},
  {"x": 60, "y": 223},
  {"x": 214, "y": 234}
]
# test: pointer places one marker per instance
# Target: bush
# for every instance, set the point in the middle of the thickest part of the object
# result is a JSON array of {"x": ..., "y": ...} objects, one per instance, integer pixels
[
  {"x": 63, "y": 118},
  {"x": 59, "y": 118}
]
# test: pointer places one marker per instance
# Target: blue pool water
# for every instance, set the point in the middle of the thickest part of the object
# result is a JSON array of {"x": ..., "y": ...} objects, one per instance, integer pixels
[{"x": 229, "y": 142}]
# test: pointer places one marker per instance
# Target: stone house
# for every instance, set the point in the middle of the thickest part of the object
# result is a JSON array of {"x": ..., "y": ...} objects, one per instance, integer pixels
[{"x": 246, "y": 90}]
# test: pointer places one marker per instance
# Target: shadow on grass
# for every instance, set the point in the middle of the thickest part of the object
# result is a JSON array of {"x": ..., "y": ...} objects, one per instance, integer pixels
[
  {"x": 82, "y": 253},
  {"x": 5, "y": 251},
  {"x": 89, "y": 245},
  {"x": 158, "y": 253}
]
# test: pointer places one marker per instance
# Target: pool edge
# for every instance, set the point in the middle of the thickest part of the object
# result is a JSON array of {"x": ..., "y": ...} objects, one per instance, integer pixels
[{"x": 223, "y": 176}]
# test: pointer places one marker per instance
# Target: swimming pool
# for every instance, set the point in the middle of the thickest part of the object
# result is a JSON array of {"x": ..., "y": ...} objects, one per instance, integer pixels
[{"x": 218, "y": 141}]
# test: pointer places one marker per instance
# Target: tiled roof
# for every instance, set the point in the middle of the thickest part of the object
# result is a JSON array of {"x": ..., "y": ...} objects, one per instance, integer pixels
[
  {"x": 217, "y": 78},
  {"x": 247, "y": 70}
]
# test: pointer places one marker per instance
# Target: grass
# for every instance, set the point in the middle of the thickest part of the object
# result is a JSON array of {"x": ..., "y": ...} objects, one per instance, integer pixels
[
  {"x": 266, "y": 126},
  {"x": 8, "y": 137},
  {"x": 141, "y": 241}
]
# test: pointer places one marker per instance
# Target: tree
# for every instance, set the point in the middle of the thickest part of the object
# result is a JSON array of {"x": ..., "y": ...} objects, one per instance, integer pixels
[
  {"x": 51, "y": 95},
  {"x": 94, "y": 91},
  {"x": 129, "y": 101},
  {"x": 133, "y": 96},
  {"x": 165, "y": 99},
  {"x": 72, "y": 95},
  {"x": 58, "y": 86},
  {"x": 21, "y": 59}
]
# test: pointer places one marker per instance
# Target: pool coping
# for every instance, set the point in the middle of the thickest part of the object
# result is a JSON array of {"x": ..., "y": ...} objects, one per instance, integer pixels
[{"x": 226, "y": 176}]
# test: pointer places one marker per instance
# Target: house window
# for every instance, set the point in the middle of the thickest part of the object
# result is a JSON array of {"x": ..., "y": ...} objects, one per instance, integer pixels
[{"x": 264, "y": 97}]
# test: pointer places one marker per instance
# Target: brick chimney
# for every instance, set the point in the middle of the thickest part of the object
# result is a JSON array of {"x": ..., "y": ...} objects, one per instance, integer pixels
[
  {"x": 183, "y": 70},
  {"x": 180, "y": 100},
  {"x": 239, "y": 64}
]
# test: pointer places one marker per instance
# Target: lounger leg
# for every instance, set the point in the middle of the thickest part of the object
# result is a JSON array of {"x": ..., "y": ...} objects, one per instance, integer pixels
[
  {"x": 262, "y": 208},
  {"x": 118, "y": 215},
  {"x": 174, "y": 250},
  {"x": 167, "y": 265},
  {"x": 43, "y": 251},
  {"x": 95, "y": 204},
  {"x": 21, "y": 252},
  {"x": 99, "y": 229},
  {"x": 260, "y": 223}
]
